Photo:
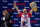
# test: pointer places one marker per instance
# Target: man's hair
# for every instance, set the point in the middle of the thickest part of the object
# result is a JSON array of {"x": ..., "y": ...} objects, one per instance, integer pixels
[
  {"x": 5, "y": 12},
  {"x": 24, "y": 8}
]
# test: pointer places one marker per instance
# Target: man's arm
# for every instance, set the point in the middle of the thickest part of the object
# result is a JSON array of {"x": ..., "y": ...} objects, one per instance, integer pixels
[
  {"x": 30, "y": 13},
  {"x": 18, "y": 10},
  {"x": 9, "y": 16},
  {"x": 11, "y": 13},
  {"x": 16, "y": 7}
]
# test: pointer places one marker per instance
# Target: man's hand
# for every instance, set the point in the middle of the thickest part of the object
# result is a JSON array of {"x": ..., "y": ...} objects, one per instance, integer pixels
[
  {"x": 10, "y": 21},
  {"x": 31, "y": 11},
  {"x": 16, "y": 7}
]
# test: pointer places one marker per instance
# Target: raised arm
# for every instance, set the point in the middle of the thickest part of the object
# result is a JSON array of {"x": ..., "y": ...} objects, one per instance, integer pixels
[
  {"x": 30, "y": 13},
  {"x": 16, "y": 7},
  {"x": 11, "y": 13}
]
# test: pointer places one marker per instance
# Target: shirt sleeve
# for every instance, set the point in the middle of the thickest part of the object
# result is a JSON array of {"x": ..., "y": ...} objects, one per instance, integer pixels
[
  {"x": 29, "y": 14},
  {"x": 20, "y": 14}
]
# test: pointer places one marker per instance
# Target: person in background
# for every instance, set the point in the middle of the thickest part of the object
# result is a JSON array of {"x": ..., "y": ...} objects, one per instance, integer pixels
[{"x": 6, "y": 20}]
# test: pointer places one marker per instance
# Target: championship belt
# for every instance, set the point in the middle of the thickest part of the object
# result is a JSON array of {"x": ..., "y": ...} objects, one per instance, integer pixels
[
  {"x": 33, "y": 6},
  {"x": 23, "y": 22}
]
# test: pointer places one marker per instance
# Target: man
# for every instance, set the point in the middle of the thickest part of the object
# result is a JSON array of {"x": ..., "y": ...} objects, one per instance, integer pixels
[
  {"x": 25, "y": 17},
  {"x": 6, "y": 20},
  {"x": 4, "y": 23}
]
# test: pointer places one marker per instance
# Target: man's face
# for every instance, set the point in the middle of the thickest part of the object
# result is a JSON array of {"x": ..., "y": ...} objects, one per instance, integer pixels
[
  {"x": 4, "y": 14},
  {"x": 24, "y": 11}
]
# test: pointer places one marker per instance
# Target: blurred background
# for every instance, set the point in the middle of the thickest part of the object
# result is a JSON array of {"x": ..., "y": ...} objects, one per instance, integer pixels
[{"x": 8, "y": 5}]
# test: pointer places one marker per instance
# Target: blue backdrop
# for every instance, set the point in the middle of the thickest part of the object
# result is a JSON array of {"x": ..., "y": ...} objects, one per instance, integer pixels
[{"x": 8, "y": 5}]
